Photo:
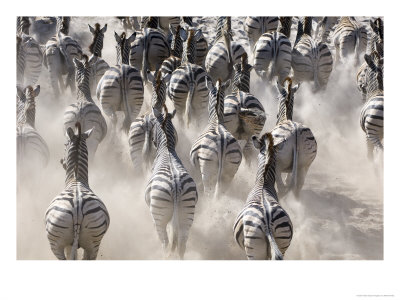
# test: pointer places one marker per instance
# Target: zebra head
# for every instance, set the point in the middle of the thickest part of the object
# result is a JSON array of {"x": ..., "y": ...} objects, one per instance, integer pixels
[
  {"x": 23, "y": 25},
  {"x": 216, "y": 99},
  {"x": 82, "y": 74},
  {"x": 286, "y": 99},
  {"x": 159, "y": 96},
  {"x": 75, "y": 161},
  {"x": 241, "y": 80},
  {"x": 123, "y": 47},
  {"x": 98, "y": 36},
  {"x": 374, "y": 73},
  {"x": 165, "y": 133}
]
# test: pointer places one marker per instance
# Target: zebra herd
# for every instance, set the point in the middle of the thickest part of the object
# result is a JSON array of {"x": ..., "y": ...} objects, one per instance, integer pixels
[{"x": 171, "y": 57}]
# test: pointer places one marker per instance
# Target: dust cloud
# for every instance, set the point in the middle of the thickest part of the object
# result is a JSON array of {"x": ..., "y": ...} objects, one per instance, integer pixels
[{"x": 339, "y": 214}]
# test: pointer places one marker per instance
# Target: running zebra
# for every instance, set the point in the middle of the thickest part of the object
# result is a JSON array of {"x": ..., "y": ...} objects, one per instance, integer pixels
[
  {"x": 171, "y": 192},
  {"x": 349, "y": 37},
  {"x": 371, "y": 117},
  {"x": 375, "y": 43},
  {"x": 98, "y": 66},
  {"x": 224, "y": 53},
  {"x": 141, "y": 132},
  {"x": 169, "y": 65},
  {"x": 60, "y": 51},
  {"x": 149, "y": 49},
  {"x": 216, "y": 152},
  {"x": 295, "y": 144},
  {"x": 201, "y": 42},
  {"x": 311, "y": 60},
  {"x": 76, "y": 218},
  {"x": 263, "y": 228},
  {"x": 31, "y": 52},
  {"x": 32, "y": 149},
  {"x": 256, "y": 26},
  {"x": 244, "y": 115},
  {"x": 121, "y": 87},
  {"x": 187, "y": 87},
  {"x": 273, "y": 52},
  {"x": 85, "y": 111}
]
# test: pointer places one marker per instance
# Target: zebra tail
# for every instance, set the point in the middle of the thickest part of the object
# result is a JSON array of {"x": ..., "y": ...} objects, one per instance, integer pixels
[
  {"x": 145, "y": 58},
  {"x": 175, "y": 228},
  {"x": 276, "y": 254},
  {"x": 271, "y": 68},
  {"x": 189, "y": 104},
  {"x": 74, "y": 249},
  {"x": 293, "y": 181},
  {"x": 146, "y": 145},
  {"x": 218, "y": 185}
]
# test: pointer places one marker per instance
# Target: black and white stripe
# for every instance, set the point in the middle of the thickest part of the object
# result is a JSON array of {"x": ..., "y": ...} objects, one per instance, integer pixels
[
  {"x": 256, "y": 26},
  {"x": 244, "y": 115},
  {"x": 349, "y": 38},
  {"x": 371, "y": 116},
  {"x": 187, "y": 88},
  {"x": 85, "y": 111},
  {"x": 216, "y": 152},
  {"x": 311, "y": 59},
  {"x": 121, "y": 87},
  {"x": 32, "y": 150},
  {"x": 224, "y": 53},
  {"x": 296, "y": 144},
  {"x": 171, "y": 192},
  {"x": 76, "y": 218},
  {"x": 273, "y": 53},
  {"x": 263, "y": 228}
]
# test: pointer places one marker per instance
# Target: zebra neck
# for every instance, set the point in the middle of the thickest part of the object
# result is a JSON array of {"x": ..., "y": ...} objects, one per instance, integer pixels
[
  {"x": 269, "y": 178},
  {"x": 77, "y": 168},
  {"x": 30, "y": 117},
  {"x": 286, "y": 23},
  {"x": 176, "y": 46},
  {"x": 122, "y": 58},
  {"x": 285, "y": 111},
  {"x": 96, "y": 47}
]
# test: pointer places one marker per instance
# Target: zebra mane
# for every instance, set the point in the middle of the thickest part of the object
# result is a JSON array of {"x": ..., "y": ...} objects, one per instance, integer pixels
[
  {"x": 95, "y": 35},
  {"x": 270, "y": 149},
  {"x": 165, "y": 119},
  {"x": 285, "y": 25},
  {"x": 289, "y": 91},
  {"x": 307, "y": 25}
]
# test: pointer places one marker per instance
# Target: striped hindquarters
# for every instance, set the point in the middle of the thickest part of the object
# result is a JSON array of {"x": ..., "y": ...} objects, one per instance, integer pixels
[
  {"x": 273, "y": 55},
  {"x": 31, "y": 147},
  {"x": 371, "y": 118},
  {"x": 253, "y": 26},
  {"x": 76, "y": 208},
  {"x": 216, "y": 62},
  {"x": 121, "y": 89},
  {"x": 98, "y": 67},
  {"x": 168, "y": 66}
]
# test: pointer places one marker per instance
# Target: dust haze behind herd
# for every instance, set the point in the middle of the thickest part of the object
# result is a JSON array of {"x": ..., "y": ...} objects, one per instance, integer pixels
[{"x": 339, "y": 214}]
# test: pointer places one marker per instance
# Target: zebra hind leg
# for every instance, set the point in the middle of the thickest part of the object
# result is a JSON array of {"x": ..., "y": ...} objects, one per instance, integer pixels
[{"x": 58, "y": 251}]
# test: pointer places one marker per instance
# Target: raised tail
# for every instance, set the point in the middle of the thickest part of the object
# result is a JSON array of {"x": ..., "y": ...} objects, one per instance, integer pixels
[
  {"x": 189, "y": 100},
  {"x": 175, "y": 229},
  {"x": 145, "y": 61},
  {"x": 74, "y": 249}
]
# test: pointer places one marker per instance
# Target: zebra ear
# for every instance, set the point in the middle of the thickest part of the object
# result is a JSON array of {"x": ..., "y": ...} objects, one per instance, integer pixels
[
  {"x": 104, "y": 29},
  {"x": 183, "y": 34},
  {"x": 87, "y": 133},
  {"x": 70, "y": 133},
  {"x": 370, "y": 61},
  {"x": 226, "y": 84},
  {"x": 117, "y": 37},
  {"x": 132, "y": 38},
  {"x": 209, "y": 83},
  {"x": 295, "y": 88},
  {"x": 91, "y": 29},
  {"x": 36, "y": 90},
  {"x": 256, "y": 142}
]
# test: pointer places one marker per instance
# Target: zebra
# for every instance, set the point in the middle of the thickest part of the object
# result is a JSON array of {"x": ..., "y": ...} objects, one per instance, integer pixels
[
  {"x": 375, "y": 43},
  {"x": 32, "y": 52},
  {"x": 311, "y": 60},
  {"x": 170, "y": 64},
  {"x": 59, "y": 53},
  {"x": 43, "y": 28},
  {"x": 371, "y": 116},
  {"x": 263, "y": 229},
  {"x": 273, "y": 52},
  {"x": 98, "y": 66},
  {"x": 85, "y": 111},
  {"x": 187, "y": 88},
  {"x": 324, "y": 28},
  {"x": 349, "y": 37},
  {"x": 149, "y": 49},
  {"x": 76, "y": 217},
  {"x": 131, "y": 23},
  {"x": 141, "y": 133},
  {"x": 256, "y": 26},
  {"x": 32, "y": 149},
  {"x": 216, "y": 152},
  {"x": 244, "y": 115},
  {"x": 224, "y": 53},
  {"x": 121, "y": 87},
  {"x": 171, "y": 192},
  {"x": 295, "y": 144},
  {"x": 201, "y": 42}
]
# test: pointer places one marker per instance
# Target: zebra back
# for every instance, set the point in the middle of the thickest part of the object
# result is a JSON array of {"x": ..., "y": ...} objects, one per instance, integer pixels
[{"x": 98, "y": 36}]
